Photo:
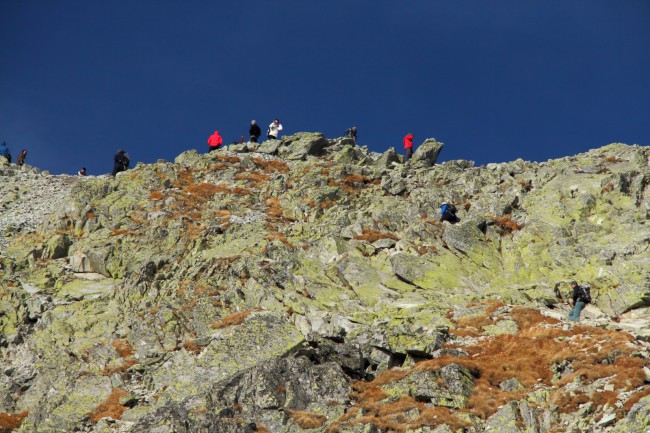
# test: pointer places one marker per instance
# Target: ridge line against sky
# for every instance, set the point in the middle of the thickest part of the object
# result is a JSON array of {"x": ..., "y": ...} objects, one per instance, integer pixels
[{"x": 494, "y": 81}]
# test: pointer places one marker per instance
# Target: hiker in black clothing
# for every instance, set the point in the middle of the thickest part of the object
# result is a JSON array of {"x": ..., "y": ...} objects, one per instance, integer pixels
[
  {"x": 448, "y": 213},
  {"x": 581, "y": 297},
  {"x": 352, "y": 133},
  {"x": 254, "y": 131},
  {"x": 121, "y": 162}
]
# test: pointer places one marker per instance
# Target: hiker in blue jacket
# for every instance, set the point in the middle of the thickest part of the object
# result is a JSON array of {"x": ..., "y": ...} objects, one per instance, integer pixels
[
  {"x": 4, "y": 151},
  {"x": 448, "y": 213}
]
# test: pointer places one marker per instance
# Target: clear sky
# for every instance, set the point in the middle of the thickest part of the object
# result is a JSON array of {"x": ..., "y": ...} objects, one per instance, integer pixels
[{"x": 493, "y": 80}]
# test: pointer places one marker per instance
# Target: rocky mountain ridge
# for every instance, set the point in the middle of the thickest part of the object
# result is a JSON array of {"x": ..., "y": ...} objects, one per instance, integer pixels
[{"x": 306, "y": 284}]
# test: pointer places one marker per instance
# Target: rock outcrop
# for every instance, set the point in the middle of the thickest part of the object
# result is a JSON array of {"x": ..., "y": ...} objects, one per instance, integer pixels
[{"x": 307, "y": 284}]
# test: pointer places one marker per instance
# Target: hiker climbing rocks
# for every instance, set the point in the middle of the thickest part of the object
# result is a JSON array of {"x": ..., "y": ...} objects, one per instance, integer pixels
[
  {"x": 121, "y": 162},
  {"x": 274, "y": 130},
  {"x": 214, "y": 141},
  {"x": 408, "y": 146},
  {"x": 4, "y": 151},
  {"x": 352, "y": 133},
  {"x": 254, "y": 131},
  {"x": 448, "y": 213},
  {"x": 82, "y": 172},
  {"x": 581, "y": 297},
  {"x": 21, "y": 158}
]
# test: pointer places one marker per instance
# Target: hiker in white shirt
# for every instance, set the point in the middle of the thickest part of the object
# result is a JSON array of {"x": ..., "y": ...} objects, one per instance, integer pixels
[{"x": 274, "y": 130}]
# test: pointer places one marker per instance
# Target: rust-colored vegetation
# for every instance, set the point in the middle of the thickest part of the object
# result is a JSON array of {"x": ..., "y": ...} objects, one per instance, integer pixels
[
  {"x": 111, "y": 408},
  {"x": 123, "y": 347},
  {"x": 528, "y": 356},
  {"x": 370, "y": 235},
  {"x": 191, "y": 347},
  {"x": 233, "y": 319},
  {"x": 280, "y": 237},
  {"x": 306, "y": 420},
  {"x": 10, "y": 422},
  {"x": 271, "y": 165},
  {"x": 505, "y": 225}
]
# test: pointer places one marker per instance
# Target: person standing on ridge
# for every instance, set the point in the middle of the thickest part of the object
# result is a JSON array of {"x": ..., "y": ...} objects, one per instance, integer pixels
[
  {"x": 21, "y": 158},
  {"x": 408, "y": 146},
  {"x": 254, "y": 131},
  {"x": 274, "y": 130},
  {"x": 82, "y": 172},
  {"x": 352, "y": 133},
  {"x": 214, "y": 141},
  {"x": 581, "y": 297},
  {"x": 121, "y": 162},
  {"x": 4, "y": 151}
]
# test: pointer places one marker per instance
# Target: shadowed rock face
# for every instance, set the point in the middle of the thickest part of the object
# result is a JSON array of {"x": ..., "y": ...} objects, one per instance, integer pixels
[{"x": 307, "y": 283}]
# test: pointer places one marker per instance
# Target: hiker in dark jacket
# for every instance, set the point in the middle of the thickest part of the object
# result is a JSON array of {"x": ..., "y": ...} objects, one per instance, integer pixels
[
  {"x": 4, "y": 151},
  {"x": 580, "y": 300},
  {"x": 21, "y": 158},
  {"x": 255, "y": 131},
  {"x": 121, "y": 162},
  {"x": 352, "y": 133},
  {"x": 448, "y": 213}
]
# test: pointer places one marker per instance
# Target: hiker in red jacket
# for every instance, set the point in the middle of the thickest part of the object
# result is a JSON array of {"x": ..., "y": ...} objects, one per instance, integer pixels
[
  {"x": 408, "y": 146},
  {"x": 214, "y": 141}
]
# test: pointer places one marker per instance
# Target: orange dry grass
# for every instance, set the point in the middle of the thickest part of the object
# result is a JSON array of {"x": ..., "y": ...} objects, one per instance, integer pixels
[
  {"x": 156, "y": 195},
  {"x": 254, "y": 177},
  {"x": 9, "y": 422},
  {"x": 191, "y": 347},
  {"x": 202, "y": 191},
  {"x": 226, "y": 158},
  {"x": 271, "y": 165},
  {"x": 306, "y": 420},
  {"x": 123, "y": 347},
  {"x": 371, "y": 235},
  {"x": 282, "y": 238},
  {"x": 527, "y": 356},
  {"x": 505, "y": 225},
  {"x": 111, "y": 408},
  {"x": 233, "y": 319}
]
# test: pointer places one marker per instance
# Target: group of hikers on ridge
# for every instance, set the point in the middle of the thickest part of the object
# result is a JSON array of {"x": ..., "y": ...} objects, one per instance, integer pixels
[{"x": 4, "y": 151}]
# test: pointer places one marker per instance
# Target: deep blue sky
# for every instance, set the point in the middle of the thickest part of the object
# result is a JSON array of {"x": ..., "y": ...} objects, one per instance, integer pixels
[{"x": 493, "y": 80}]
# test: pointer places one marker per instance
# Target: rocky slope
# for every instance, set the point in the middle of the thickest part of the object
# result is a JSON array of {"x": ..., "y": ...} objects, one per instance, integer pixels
[{"x": 306, "y": 284}]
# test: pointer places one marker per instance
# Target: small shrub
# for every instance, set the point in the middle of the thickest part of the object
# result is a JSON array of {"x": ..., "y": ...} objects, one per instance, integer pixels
[{"x": 271, "y": 165}]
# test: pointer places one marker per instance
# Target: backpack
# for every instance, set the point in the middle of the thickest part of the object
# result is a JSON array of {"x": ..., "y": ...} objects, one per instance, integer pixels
[{"x": 585, "y": 293}]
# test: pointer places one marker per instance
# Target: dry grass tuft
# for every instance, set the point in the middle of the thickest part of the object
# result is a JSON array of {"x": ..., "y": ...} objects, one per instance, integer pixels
[
  {"x": 10, "y": 422},
  {"x": 226, "y": 158},
  {"x": 370, "y": 235},
  {"x": 233, "y": 319},
  {"x": 202, "y": 191},
  {"x": 191, "y": 347},
  {"x": 280, "y": 237},
  {"x": 610, "y": 159},
  {"x": 271, "y": 165},
  {"x": 306, "y": 420},
  {"x": 505, "y": 225},
  {"x": 111, "y": 408},
  {"x": 123, "y": 347},
  {"x": 156, "y": 195}
]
